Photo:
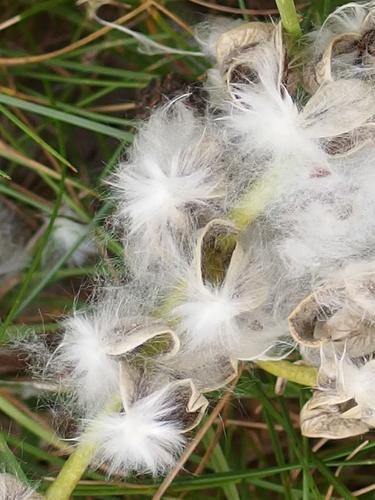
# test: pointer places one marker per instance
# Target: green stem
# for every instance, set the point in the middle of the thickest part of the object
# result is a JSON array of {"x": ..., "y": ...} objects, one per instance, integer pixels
[
  {"x": 254, "y": 201},
  {"x": 74, "y": 468},
  {"x": 289, "y": 17},
  {"x": 71, "y": 473}
]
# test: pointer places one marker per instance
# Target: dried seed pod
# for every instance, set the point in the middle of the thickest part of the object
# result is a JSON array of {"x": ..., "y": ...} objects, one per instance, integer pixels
[
  {"x": 333, "y": 314},
  {"x": 142, "y": 337},
  {"x": 344, "y": 46},
  {"x": 236, "y": 50},
  {"x": 188, "y": 404},
  {"x": 343, "y": 403},
  {"x": 321, "y": 417},
  {"x": 209, "y": 373}
]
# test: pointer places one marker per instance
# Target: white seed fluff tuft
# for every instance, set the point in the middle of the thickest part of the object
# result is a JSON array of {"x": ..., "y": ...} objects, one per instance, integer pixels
[
  {"x": 65, "y": 235},
  {"x": 208, "y": 316},
  {"x": 11, "y": 488},
  {"x": 82, "y": 358},
  {"x": 218, "y": 315},
  {"x": 358, "y": 381},
  {"x": 171, "y": 178},
  {"x": 262, "y": 115},
  {"x": 145, "y": 439}
]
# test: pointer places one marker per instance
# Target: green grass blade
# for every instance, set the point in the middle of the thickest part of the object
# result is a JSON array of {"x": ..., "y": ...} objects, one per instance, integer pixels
[
  {"x": 65, "y": 117},
  {"x": 219, "y": 463}
]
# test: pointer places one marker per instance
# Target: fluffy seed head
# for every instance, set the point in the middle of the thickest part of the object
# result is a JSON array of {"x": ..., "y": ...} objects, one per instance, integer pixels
[
  {"x": 81, "y": 357},
  {"x": 358, "y": 381},
  {"x": 171, "y": 180},
  {"x": 145, "y": 439},
  {"x": 12, "y": 488}
]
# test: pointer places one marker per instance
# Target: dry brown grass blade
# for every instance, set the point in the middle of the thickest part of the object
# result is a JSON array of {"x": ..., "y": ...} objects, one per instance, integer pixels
[
  {"x": 49, "y": 157},
  {"x": 113, "y": 108},
  {"x": 339, "y": 469},
  {"x": 30, "y": 194},
  {"x": 11, "y": 154},
  {"x": 16, "y": 61},
  {"x": 363, "y": 491},
  {"x": 253, "y": 425},
  {"x": 173, "y": 16},
  {"x": 234, "y": 10},
  {"x": 14, "y": 93},
  {"x": 10, "y": 22}
]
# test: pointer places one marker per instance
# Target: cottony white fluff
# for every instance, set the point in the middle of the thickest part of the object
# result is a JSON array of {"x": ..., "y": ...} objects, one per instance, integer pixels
[
  {"x": 262, "y": 116},
  {"x": 13, "y": 256},
  {"x": 208, "y": 33},
  {"x": 357, "y": 380},
  {"x": 219, "y": 317},
  {"x": 348, "y": 18},
  {"x": 12, "y": 488},
  {"x": 66, "y": 232},
  {"x": 324, "y": 222},
  {"x": 209, "y": 315},
  {"x": 263, "y": 119},
  {"x": 171, "y": 179},
  {"x": 145, "y": 438},
  {"x": 82, "y": 358}
]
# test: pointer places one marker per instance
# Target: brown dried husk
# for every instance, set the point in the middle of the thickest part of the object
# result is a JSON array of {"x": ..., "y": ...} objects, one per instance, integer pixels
[
  {"x": 236, "y": 51},
  {"x": 324, "y": 416},
  {"x": 188, "y": 402},
  {"x": 332, "y": 315},
  {"x": 358, "y": 48}
]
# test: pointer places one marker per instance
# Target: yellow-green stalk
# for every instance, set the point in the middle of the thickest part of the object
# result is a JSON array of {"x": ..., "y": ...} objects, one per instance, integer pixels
[{"x": 289, "y": 17}]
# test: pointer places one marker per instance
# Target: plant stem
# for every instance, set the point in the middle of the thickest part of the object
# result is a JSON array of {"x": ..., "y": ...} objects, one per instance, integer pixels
[
  {"x": 71, "y": 473},
  {"x": 254, "y": 201},
  {"x": 289, "y": 17},
  {"x": 74, "y": 468}
]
